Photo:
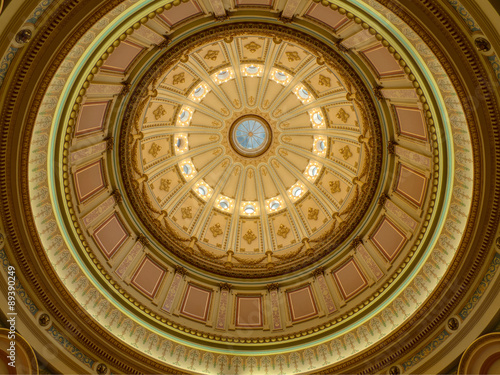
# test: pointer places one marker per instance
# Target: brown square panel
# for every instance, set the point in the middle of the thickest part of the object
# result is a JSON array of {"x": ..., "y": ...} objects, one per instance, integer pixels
[
  {"x": 382, "y": 61},
  {"x": 249, "y": 312},
  {"x": 411, "y": 184},
  {"x": 301, "y": 303},
  {"x": 180, "y": 13},
  {"x": 148, "y": 277},
  {"x": 89, "y": 180},
  {"x": 110, "y": 235},
  {"x": 196, "y": 303},
  {"x": 122, "y": 57},
  {"x": 388, "y": 239},
  {"x": 350, "y": 279},
  {"x": 411, "y": 122},
  {"x": 91, "y": 118},
  {"x": 326, "y": 16}
]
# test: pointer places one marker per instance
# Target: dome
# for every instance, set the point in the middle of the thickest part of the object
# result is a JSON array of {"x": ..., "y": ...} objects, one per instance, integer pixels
[{"x": 286, "y": 190}]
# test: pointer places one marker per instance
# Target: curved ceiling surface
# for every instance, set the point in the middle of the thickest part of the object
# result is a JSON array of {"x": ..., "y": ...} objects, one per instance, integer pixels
[{"x": 205, "y": 191}]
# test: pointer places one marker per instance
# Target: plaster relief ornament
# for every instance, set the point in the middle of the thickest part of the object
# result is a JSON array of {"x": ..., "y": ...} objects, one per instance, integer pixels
[
  {"x": 211, "y": 55},
  {"x": 283, "y": 231},
  {"x": 324, "y": 81},
  {"x": 293, "y": 56},
  {"x": 178, "y": 78},
  {"x": 343, "y": 115},
  {"x": 312, "y": 213},
  {"x": 249, "y": 236},
  {"x": 154, "y": 149},
  {"x": 216, "y": 230},
  {"x": 159, "y": 112},
  {"x": 252, "y": 47},
  {"x": 187, "y": 212},
  {"x": 165, "y": 184},
  {"x": 335, "y": 186},
  {"x": 346, "y": 152}
]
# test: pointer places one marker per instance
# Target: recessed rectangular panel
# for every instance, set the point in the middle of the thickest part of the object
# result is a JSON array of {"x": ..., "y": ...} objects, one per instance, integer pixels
[
  {"x": 301, "y": 303},
  {"x": 350, "y": 279},
  {"x": 265, "y": 3},
  {"x": 110, "y": 235},
  {"x": 91, "y": 118},
  {"x": 121, "y": 58},
  {"x": 182, "y": 12},
  {"x": 89, "y": 180},
  {"x": 382, "y": 61},
  {"x": 411, "y": 122},
  {"x": 196, "y": 302},
  {"x": 388, "y": 239},
  {"x": 249, "y": 311},
  {"x": 148, "y": 277},
  {"x": 411, "y": 184},
  {"x": 326, "y": 16}
]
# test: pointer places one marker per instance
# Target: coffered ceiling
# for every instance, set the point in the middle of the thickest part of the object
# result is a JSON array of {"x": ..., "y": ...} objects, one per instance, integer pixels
[{"x": 291, "y": 187}]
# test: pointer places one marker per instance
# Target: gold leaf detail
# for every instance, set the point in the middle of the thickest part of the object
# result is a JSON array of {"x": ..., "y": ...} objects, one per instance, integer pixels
[
  {"x": 179, "y": 78},
  {"x": 217, "y": 152},
  {"x": 165, "y": 184},
  {"x": 266, "y": 103},
  {"x": 158, "y": 112},
  {"x": 284, "y": 152},
  {"x": 250, "y": 173},
  {"x": 216, "y": 230},
  {"x": 154, "y": 150},
  {"x": 346, "y": 152},
  {"x": 293, "y": 56},
  {"x": 283, "y": 231},
  {"x": 225, "y": 163},
  {"x": 343, "y": 115},
  {"x": 335, "y": 186},
  {"x": 251, "y": 100},
  {"x": 213, "y": 138},
  {"x": 252, "y": 47},
  {"x": 287, "y": 138},
  {"x": 211, "y": 55},
  {"x": 312, "y": 214},
  {"x": 324, "y": 81},
  {"x": 224, "y": 111},
  {"x": 264, "y": 171},
  {"x": 236, "y": 103},
  {"x": 249, "y": 236},
  {"x": 186, "y": 212}
]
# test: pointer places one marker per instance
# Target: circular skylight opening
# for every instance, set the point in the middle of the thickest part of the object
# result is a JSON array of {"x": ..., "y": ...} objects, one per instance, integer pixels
[
  {"x": 199, "y": 92},
  {"x": 297, "y": 191},
  {"x": 317, "y": 118},
  {"x": 320, "y": 145},
  {"x": 223, "y": 75},
  {"x": 224, "y": 204},
  {"x": 313, "y": 171},
  {"x": 202, "y": 190},
  {"x": 187, "y": 169},
  {"x": 179, "y": 142},
  {"x": 249, "y": 209},
  {"x": 280, "y": 76},
  {"x": 252, "y": 69},
  {"x": 303, "y": 93},
  {"x": 274, "y": 205},
  {"x": 184, "y": 116},
  {"x": 250, "y": 136}
]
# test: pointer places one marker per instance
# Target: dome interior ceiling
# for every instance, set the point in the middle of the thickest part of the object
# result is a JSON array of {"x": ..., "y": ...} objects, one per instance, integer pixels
[{"x": 292, "y": 186}]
